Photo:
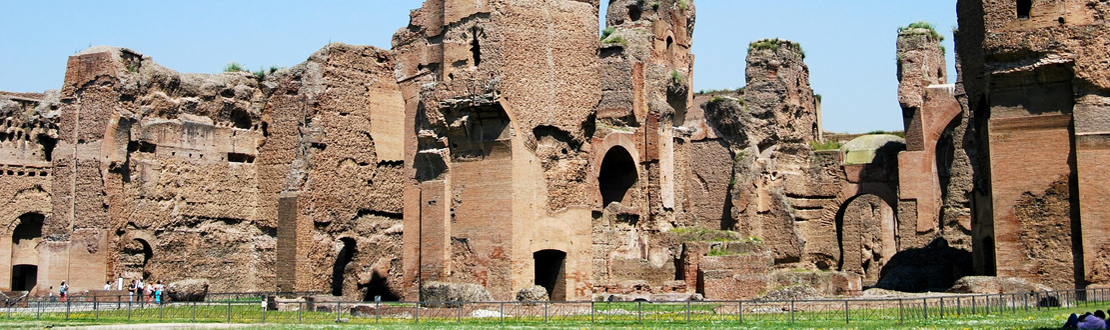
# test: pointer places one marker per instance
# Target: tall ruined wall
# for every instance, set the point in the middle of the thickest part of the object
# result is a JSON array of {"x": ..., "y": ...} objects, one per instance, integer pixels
[
  {"x": 925, "y": 175},
  {"x": 164, "y": 168},
  {"x": 333, "y": 159},
  {"x": 499, "y": 95},
  {"x": 26, "y": 145},
  {"x": 646, "y": 79},
  {"x": 143, "y": 172},
  {"x": 1035, "y": 82}
]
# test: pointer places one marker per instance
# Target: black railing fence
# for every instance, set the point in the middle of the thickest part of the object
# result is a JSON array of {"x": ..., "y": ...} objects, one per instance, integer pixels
[{"x": 256, "y": 308}]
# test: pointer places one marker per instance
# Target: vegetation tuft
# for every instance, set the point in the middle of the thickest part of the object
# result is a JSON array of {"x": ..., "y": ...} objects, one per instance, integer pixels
[
  {"x": 698, "y": 234},
  {"x": 900, "y": 134},
  {"x": 932, "y": 31},
  {"x": 677, "y": 77},
  {"x": 826, "y": 145},
  {"x": 234, "y": 67},
  {"x": 606, "y": 32},
  {"x": 773, "y": 44}
]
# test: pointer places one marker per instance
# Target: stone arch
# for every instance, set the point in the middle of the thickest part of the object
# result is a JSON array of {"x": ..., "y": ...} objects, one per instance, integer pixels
[
  {"x": 866, "y": 229},
  {"x": 617, "y": 175},
  {"x": 550, "y": 272},
  {"x": 342, "y": 259},
  {"x": 26, "y": 234},
  {"x": 135, "y": 256}
]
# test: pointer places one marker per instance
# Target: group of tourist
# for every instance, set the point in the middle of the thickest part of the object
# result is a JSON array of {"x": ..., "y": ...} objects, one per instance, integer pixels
[
  {"x": 1087, "y": 321},
  {"x": 146, "y": 292}
]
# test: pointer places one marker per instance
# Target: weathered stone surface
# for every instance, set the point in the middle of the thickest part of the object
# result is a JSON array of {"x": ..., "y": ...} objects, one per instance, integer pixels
[
  {"x": 188, "y": 290},
  {"x": 532, "y": 293},
  {"x": 995, "y": 285},
  {"x": 441, "y": 292}
]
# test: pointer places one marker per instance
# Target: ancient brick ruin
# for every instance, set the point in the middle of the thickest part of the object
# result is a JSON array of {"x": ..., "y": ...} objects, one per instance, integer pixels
[{"x": 503, "y": 145}]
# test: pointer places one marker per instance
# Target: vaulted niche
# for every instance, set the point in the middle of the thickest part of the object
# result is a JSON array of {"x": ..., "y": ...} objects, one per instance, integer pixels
[
  {"x": 24, "y": 259},
  {"x": 551, "y": 273},
  {"x": 617, "y": 175},
  {"x": 478, "y": 132},
  {"x": 1023, "y": 8}
]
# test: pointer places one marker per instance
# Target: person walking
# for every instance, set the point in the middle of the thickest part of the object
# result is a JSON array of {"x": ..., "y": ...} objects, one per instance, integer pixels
[
  {"x": 108, "y": 286},
  {"x": 139, "y": 289},
  {"x": 148, "y": 292},
  {"x": 62, "y": 290},
  {"x": 158, "y": 289},
  {"x": 131, "y": 291}
]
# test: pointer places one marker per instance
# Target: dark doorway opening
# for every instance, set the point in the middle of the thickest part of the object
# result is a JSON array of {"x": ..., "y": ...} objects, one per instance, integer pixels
[
  {"x": 24, "y": 277},
  {"x": 551, "y": 273},
  {"x": 617, "y": 175},
  {"x": 634, "y": 12},
  {"x": 341, "y": 261},
  {"x": 1024, "y": 7},
  {"x": 989, "y": 268},
  {"x": 378, "y": 288}
]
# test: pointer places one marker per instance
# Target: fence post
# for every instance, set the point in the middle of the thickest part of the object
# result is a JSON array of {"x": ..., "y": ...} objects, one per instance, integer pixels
[
  {"x": 229, "y": 311},
  {"x": 592, "y": 308},
  {"x": 337, "y": 312},
  {"x": 300, "y": 310},
  {"x": 740, "y": 310},
  {"x": 942, "y": 307},
  {"x": 791, "y": 311},
  {"x": 502, "y": 316},
  {"x": 265, "y": 307},
  {"x": 973, "y": 303},
  {"x": 378, "y": 313},
  {"x": 958, "y": 312},
  {"x": 925, "y": 307},
  {"x": 545, "y": 312},
  {"x": 96, "y": 311},
  {"x": 1001, "y": 304},
  {"x": 68, "y": 299},
  {"x": 128, "y": 309},
  {"x": 846, "y": 319},
  {"x": 458, "y": 314},
  {"x": 194, "y": 317},
  {"x": 159, "y": 312},
  {"x": 416, "y": 314}
]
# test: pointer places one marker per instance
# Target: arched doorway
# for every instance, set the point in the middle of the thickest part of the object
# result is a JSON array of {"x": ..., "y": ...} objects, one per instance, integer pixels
[
  {"x": 25, "y": 255},
  {"x": 865, "y": 230},
  {"x": 134, "y": 258},
  {"x": 617, "y": 175},
  {"x": 339, "y": 270},
  {"x": 551, "y": 273}
]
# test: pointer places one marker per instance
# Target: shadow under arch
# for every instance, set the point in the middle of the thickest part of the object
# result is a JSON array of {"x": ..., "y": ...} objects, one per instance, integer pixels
[
  {"x": 617, "y": 175},
  {"x": 346, "y": 254}
]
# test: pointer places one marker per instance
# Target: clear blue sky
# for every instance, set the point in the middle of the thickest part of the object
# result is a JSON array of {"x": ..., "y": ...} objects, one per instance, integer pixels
[{"x": 849, "y": 44}]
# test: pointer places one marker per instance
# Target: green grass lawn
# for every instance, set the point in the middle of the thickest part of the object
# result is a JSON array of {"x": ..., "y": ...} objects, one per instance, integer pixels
[{"x": 654, "y": 316}]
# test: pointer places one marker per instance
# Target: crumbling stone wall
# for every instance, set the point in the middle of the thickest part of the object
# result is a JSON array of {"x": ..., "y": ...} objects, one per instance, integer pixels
[
  {"x": 499, "y": 96},
  {"x": 1035, "y": 74}
]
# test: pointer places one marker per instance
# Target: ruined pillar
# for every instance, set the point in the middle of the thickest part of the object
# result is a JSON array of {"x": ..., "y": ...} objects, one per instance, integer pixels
[{"x": 928, "y": 106}]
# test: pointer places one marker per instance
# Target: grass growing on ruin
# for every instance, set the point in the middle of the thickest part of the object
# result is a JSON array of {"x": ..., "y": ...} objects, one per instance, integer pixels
[
  {"x": 688, "y": 234},
  {"x": 826, "y": 145},
  {"x": 932, "y": 31},
  {"x": 773, "y": 44},
  {"x": 234, "y": 67}
]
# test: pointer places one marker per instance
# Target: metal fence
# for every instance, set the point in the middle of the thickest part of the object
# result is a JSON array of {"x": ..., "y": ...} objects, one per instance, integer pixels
[{"x": 253, "y": 308}]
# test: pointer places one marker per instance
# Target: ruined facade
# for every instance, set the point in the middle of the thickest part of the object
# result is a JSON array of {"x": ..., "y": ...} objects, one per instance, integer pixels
[
  {"x": 503, "y": 145},
  {"x": 1034, "y": 84}
]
